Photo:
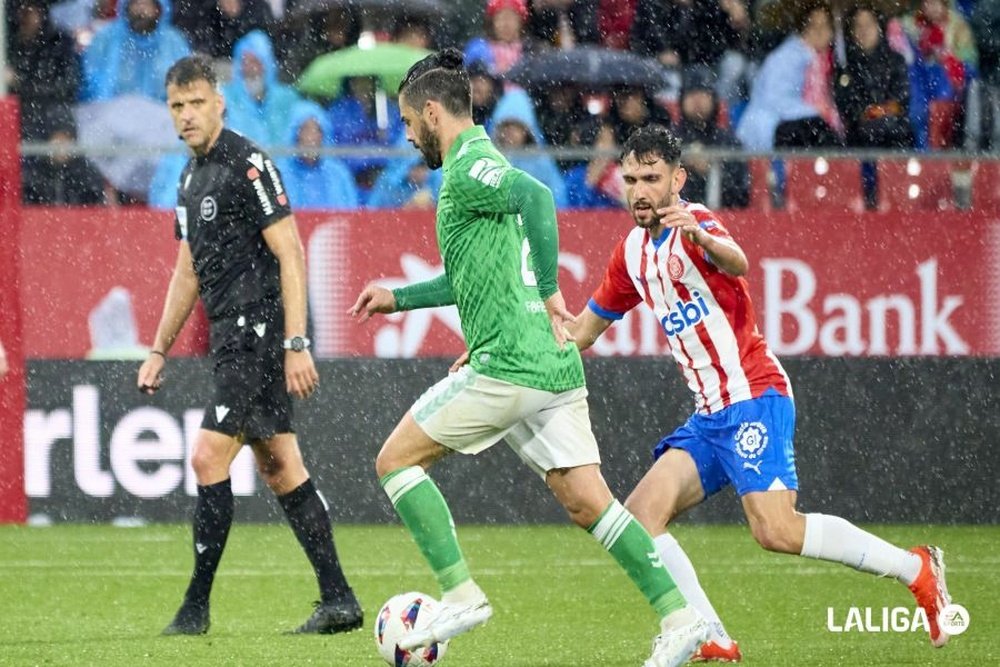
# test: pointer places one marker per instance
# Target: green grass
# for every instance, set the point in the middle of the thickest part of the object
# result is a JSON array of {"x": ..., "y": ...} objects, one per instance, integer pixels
[{"x": 98, "y": 595}]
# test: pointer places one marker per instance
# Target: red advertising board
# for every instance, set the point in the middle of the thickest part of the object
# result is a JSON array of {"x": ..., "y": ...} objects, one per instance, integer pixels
[
  {"x": 825, "y": 284},
  {"x": 13, "y": 506}
]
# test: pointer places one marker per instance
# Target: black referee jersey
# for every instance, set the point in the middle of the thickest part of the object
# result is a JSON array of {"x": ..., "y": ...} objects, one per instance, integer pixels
[{"x": 224, "y": 201}]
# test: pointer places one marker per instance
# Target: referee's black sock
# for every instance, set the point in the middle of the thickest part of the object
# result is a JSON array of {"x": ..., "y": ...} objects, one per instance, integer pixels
[
  {"x": 213, "y": 515},
  {"x": 308, "y": 517}
]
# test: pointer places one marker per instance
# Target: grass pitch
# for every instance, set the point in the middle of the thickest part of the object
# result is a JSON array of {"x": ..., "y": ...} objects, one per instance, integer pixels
[{"x": 98, "y": 595}]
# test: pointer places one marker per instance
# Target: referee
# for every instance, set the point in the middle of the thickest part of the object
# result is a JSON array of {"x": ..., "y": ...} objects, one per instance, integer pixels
[{"x": 240, "y": 252}]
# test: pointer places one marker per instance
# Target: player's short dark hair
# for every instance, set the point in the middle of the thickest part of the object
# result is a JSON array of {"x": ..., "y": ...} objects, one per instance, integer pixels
[
  {"x": 440, "y": 77},
  {"x": 189, "y": 69},
  {"x": 653, "y": 142}
]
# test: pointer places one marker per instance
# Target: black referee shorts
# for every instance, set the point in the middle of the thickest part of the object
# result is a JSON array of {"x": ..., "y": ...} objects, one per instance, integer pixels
[{"x": 251, "y": 401}]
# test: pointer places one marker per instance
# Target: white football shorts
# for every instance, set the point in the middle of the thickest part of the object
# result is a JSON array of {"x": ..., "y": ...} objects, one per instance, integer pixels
[{"x": 468, "y": 412}]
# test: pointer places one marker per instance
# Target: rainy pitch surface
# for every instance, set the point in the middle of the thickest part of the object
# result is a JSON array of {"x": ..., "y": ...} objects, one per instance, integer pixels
[{"x": 82, "y": 595}]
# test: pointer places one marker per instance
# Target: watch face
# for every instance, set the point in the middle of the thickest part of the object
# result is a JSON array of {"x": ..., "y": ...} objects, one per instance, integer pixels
[{"x": 298, "y": 344}]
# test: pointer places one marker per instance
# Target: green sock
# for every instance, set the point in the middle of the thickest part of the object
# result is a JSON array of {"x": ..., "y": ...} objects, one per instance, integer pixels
[
  {"x": 629, "y": 543},
  {"x": 425, "y": 513}
]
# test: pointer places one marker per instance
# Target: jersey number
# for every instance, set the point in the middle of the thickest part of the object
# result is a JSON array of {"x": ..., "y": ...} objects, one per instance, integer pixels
[{"x": 527, "y": 275}]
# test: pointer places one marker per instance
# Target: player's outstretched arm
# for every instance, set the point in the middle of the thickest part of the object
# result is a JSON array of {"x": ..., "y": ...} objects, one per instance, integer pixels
[
  {"x": 182, "y": 294},
  {"x": 726, "y": 254},
  {"x": 428, "y": 294},
  {"x": 373, "y": 299},
  {"x": 588, "y": 327}
]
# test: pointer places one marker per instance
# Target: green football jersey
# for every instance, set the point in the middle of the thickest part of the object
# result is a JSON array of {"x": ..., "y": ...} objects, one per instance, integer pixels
[{"x": 488, "y": 262}]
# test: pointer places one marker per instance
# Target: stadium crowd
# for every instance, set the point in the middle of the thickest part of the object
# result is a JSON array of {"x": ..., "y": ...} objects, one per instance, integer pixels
[{"x": 778, "y": 74}]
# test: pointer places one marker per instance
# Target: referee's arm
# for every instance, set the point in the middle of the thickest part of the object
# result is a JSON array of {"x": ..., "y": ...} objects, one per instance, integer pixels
[
  {"x": 182, "y": 294},
  {"x": 283, "y": 239}
]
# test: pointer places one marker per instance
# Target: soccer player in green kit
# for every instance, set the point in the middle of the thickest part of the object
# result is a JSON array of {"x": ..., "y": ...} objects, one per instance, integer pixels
[{"x": 496, "y": 230}]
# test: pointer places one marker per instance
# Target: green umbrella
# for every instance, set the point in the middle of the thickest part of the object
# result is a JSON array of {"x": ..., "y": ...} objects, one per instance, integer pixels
[{"x": 388, "y": 62}]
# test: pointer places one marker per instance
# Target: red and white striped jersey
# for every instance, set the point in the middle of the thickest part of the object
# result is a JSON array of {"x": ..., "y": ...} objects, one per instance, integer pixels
[{"x": 707, "y": 315}]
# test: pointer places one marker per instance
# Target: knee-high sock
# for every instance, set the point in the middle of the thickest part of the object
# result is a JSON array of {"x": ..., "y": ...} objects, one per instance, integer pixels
[
  {"x": 425, "y": 513},
  {"x": 213, "y": 516},
  {"x": 629, "y": 543},
  {"x": 680, "y": 568},
  {"x": 307, "y": 513},
  {"x": 835, "y": 539}
]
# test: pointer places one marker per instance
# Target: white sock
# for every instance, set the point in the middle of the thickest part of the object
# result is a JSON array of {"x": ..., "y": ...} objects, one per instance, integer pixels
[
  {"x": 835, "y": 539},
  {"x": 680, "y": 568},
  {"x": 465, "y": 592}
]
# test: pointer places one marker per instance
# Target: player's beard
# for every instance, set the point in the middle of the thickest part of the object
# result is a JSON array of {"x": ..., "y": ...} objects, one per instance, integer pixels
[
  {"x": 653, "y": 220},
  {"x": 430, "y": 147}
]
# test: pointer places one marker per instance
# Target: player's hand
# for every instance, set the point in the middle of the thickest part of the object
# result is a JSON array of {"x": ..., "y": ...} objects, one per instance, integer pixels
[
  {"x": 555, "y": 305},
  {"x": 678, "y": 216},
  {"x": 151, "y": 374},
  {"x": 301, "y": 378},
  {"x": 373, "y": 299},
  {"x": 458, "y": 363}
]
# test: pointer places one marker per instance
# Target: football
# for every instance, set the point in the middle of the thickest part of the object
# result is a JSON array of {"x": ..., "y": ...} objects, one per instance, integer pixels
[{"x": 401, "y": 614}]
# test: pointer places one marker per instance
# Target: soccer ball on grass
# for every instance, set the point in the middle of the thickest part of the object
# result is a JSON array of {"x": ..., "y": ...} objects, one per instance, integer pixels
[{"x": 401, "y": 614}]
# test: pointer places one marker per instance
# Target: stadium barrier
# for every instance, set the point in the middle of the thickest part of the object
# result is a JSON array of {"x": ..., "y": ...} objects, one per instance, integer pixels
[
  {"x": 891, "y": 322},
  {"x": 829, "y": 284},
  {"x": 888, "y": 440}
]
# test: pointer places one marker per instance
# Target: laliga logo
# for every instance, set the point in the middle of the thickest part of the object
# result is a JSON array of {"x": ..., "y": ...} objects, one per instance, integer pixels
[
  {"x": 751, "y": 439},
  {"x": 953, "y": 620}
]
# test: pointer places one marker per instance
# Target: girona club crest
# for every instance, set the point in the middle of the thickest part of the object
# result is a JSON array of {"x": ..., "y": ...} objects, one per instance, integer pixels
[{"x": 675, "y": 267}]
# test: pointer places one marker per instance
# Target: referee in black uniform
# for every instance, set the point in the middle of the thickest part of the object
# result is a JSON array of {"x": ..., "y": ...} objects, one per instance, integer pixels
[{"x": 240, "y": 252}]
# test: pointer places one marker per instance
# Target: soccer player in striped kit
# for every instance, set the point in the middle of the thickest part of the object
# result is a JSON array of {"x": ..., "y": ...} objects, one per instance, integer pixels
[{"x": 683, "y": 264}]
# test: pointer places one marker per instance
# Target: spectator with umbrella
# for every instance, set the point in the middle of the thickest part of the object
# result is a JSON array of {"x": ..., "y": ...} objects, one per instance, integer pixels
[
  {"x": 558, "y": 81},
  {"x": 633, "y": 107},
  {"x": 362, "y": 112},
  {"x": 307, "y": 36}
]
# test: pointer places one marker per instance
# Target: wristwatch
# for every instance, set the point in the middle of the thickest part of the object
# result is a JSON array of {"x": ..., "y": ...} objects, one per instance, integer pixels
[{"x": 296, "y": 343}]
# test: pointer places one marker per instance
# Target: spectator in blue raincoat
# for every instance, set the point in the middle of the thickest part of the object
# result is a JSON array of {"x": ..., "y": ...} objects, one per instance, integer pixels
[
  {"x": 312, "y": 180},
  {"x": 406, "y": 183},
  {"x": 257, "y": 103},
  {"x": 162, "y": 192},
  {"x": 132, "y": 53},
  {"x": 515, "y": 127},
  {"x": 596, "y": 183},
  {"x": 365, "y": 115}
]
